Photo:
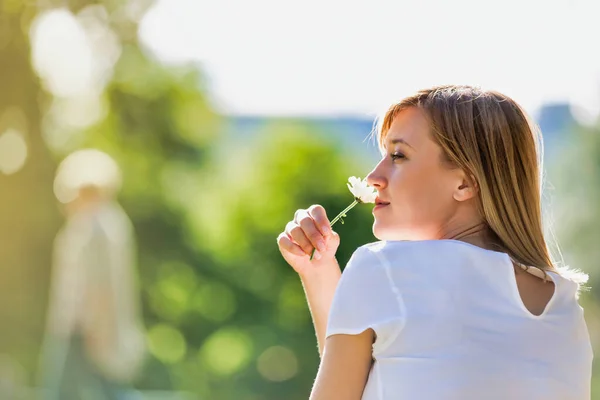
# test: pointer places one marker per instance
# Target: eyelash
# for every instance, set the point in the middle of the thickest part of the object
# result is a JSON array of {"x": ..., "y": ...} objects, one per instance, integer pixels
[{"x": 397, "y": 155}]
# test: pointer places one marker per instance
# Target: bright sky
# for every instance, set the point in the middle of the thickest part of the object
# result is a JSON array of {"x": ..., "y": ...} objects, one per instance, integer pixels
[{"x": 329, "y": 56}]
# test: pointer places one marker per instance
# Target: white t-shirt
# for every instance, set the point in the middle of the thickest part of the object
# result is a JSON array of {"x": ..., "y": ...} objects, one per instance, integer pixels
[{"x": 450, "y": 324}]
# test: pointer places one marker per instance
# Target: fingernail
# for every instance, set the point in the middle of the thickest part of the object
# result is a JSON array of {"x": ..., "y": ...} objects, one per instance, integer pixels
[
  {"x": 317, "y": 255},
  {"x": 326, "y": 229},
  {"x": 321, "y": 246}
]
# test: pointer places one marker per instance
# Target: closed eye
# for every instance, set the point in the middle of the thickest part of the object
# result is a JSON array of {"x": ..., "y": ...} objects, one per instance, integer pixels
[{"x": 397, "y": 156}]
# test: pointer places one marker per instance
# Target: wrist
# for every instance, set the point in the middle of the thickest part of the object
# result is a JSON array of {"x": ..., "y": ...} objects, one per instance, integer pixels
[{"x": 322, "y": 275}]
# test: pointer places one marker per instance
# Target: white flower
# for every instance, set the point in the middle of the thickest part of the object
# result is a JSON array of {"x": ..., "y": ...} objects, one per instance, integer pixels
[{"x": 362, "y": 192}]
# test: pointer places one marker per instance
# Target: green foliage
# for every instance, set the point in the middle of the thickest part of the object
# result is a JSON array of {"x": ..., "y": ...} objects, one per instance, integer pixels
[
  {"x": 220, "y": 304},
  {"x": 225, "y": 316},
  {"x": 246, "y": 305}
]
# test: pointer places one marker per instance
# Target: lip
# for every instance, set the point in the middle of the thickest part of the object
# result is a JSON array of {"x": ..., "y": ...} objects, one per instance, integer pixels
[
  {"x": 380, "y": 206},
  {"x": 379, "y": 202}
]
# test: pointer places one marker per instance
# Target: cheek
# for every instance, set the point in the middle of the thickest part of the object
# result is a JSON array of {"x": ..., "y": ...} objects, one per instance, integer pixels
[
  {"x": 422, "y": 193},
  {"x": 416, "y": 182}
]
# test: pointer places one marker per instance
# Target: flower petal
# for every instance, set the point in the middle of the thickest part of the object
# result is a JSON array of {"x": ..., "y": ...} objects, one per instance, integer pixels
[
  {"x": 369, "y": 197},
  {"x": 351, "y": 189},
  {"x": 361, "y": 190}
]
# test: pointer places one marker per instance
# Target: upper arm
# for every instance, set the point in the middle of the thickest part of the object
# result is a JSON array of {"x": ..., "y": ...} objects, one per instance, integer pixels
[
  {"x": 366, "y": 313},
  {"x": 344, "y": 367}
]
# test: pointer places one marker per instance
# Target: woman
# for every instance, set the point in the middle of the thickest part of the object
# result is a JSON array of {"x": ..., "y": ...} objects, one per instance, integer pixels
[{"x": 460, "y": 298}]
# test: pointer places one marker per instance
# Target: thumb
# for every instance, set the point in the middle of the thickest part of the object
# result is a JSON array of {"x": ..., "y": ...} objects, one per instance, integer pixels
[{"x": 332, "y": 242}]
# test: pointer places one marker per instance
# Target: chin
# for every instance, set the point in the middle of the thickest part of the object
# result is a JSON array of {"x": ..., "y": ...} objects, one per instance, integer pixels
[{"x": 383, "y": 232}]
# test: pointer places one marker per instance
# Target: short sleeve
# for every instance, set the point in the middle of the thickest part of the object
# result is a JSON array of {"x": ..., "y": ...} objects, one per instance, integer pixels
[{"x": 365, "y": 298}]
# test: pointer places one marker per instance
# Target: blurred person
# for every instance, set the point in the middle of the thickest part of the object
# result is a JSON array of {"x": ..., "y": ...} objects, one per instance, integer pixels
[
  {"x": 460, "y": 298},
  {"x": 94, "y": 343}
]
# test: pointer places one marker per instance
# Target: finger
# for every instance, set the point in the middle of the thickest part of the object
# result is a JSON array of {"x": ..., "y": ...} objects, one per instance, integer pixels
[
  {"x": 319, "y": 215},
  {"x": 313, "y": 234},
  {"x": 299, "y": 214},
  {"x": 316, "y": 255},
  {"x": 286, "y": 244},
  {"x": 296, "y": 234}
]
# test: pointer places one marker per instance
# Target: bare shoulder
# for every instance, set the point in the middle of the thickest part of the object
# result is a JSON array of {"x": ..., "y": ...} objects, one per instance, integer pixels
[{"x": 535, "y": 292}]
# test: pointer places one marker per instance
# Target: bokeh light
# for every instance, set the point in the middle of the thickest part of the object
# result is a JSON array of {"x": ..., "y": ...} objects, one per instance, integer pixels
[
  {"x": 13, "y": 151},
  {"x": 277, "y": 364},
  {"x": 166, "y": 343},
  {"x": 215, "y": 301},
  {"x": 226, "y": 351},
  {"x": 61, "y": 53},
  {"x": 170, "y": 296}
]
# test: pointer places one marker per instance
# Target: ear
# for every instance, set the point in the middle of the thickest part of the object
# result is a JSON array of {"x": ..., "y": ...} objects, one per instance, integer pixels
[{"x": 467, "y": 188}]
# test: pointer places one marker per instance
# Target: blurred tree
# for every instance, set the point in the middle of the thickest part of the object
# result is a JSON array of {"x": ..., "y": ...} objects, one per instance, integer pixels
[
  {"x": 28, "y": 215},
  {"x": 226, "y": 317},
  {"x": 242, "y": 205},
  {"x": 221, "y": 305},
  {"x": 159, "y": 127}
]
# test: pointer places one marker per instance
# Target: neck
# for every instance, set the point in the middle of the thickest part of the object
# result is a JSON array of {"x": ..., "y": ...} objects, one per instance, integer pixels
[{"x": 477, "y": 234}]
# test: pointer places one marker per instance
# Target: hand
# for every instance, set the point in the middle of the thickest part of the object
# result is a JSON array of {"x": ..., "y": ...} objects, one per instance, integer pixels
[{"x": 310, "y": 229}]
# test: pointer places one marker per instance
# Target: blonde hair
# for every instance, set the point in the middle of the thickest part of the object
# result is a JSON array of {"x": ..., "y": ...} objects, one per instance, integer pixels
[{"x": 490, "y": 137}]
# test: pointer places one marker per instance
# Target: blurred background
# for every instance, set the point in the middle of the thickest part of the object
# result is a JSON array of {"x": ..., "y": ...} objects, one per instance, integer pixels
[{"x": 175, "y": 138}]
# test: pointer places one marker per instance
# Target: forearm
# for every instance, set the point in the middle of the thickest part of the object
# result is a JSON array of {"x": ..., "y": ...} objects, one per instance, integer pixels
[{"x": 319, "y": 287}]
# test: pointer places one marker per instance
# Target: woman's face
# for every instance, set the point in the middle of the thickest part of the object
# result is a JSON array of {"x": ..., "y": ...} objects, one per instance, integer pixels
[{"x": 420, "y": 192}]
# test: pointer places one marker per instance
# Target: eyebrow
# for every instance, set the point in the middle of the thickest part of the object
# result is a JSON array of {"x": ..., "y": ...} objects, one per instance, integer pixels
[{"x": 400, "y": 140}]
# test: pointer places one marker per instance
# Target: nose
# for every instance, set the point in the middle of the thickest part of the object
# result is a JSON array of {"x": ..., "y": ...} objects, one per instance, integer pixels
[{"x": 376, "y": 177}]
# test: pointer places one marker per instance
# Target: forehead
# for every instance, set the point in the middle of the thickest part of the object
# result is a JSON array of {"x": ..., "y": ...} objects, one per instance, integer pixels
[{"x": 410, "y": 125}]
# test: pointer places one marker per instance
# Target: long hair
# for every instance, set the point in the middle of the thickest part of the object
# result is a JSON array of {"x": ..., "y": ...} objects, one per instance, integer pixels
[{"x": 491, "y": 138}]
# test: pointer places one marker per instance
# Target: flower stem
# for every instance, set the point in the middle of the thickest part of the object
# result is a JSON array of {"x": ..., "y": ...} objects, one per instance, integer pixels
[
  {"x": 343, "y": 213},
  {"x": 337, "y": 218}
]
